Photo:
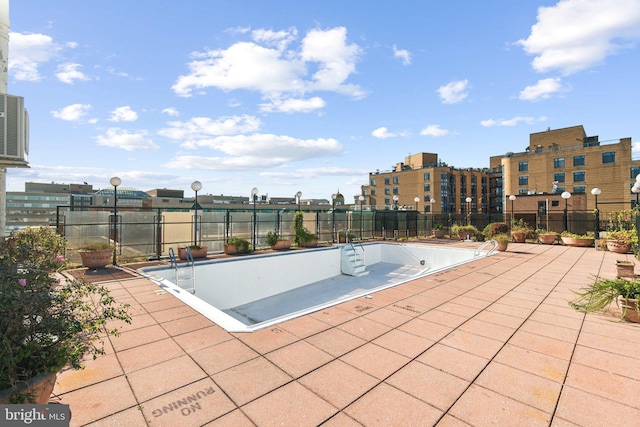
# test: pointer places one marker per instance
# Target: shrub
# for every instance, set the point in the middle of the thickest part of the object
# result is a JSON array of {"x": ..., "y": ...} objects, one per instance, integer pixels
[
  {"x": 495, "y": 228},
  {"x": 241, "y": 244}
]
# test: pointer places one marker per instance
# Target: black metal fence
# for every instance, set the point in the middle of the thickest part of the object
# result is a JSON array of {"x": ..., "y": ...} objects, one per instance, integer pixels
[{"x": 149, "y": 233}]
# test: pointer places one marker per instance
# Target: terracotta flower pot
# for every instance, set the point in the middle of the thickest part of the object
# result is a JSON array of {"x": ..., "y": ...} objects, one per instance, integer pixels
[
  {"x": 547, "y": 239},
  {"x": 310, "y": 244},
  {"x": 629, "y": 311},
  {"x": 39, "y": 387},
  {"x": 232, "y": 250},
  {"x": 196, "y": 253},
  {"x": 581, "y": 242},
  {"x": 438, "y": 234},
  {"x": 96, "y": 259},
  {"x": 625, "y": 268},
  {"x": 502, "y": 246},
  {"x": 281, "y": 245},
  {"x": 519, "y": 236},
  {"x": 618, "y": 246}
]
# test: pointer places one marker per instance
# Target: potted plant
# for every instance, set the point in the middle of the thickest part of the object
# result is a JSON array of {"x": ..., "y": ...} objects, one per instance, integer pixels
[
  {"x": 625, "y": 268},
  {"x": 344, "y": 235},
  {"x": 578, "y": 240},
  {"x": 520, "y": 230},
  {"x": 276, "y": 242},
  {"x": 197, "y": 251},
  {"x": 45, "y": 328},
  {"x": 236, "y": 245},
  {"x": 503, "y": 241},
  {"x": 438, "y": 231},
  {"x": 464, "y": 232},
  {"x": 603, "y": 292},
  {"x": 495, "y": 228},
  {"x": 547, "y": 237},
  {"x": 96, "y": 255},
  {"x": 304, "y": 237},
  {"x": 620, "y": 241}
]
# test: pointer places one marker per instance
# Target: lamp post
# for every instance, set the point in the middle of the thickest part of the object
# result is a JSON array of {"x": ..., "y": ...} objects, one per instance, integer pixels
[
  {"x": 333, "y": 217},
  {"x": 361, "y": 198},
  {"x": 417, "y": 199},
  {"x": 596, "y": 192},
  {"x": 254, "y": 196},
  {"x": 395, "y": 222},
  {"x": 431, "y": 202},
  {"x": 195, "y": 186},
  {"x": 299, "y": 196},
  {"x": 395, "y": 201},
  {"x": 468, "y": 200},
  {"x": 566, "y": 195},
  {"x": 115, "y": 181},
  {"x": 636, "y": 188},
  {"x": 512, "y": 198}
]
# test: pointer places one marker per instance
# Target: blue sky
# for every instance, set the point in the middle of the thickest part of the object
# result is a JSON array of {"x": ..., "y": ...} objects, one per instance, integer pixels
[{"x": 291, "y": 96}]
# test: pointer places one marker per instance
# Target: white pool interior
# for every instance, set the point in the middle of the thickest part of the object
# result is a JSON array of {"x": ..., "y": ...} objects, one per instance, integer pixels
[{"x": 246, "y": 293}]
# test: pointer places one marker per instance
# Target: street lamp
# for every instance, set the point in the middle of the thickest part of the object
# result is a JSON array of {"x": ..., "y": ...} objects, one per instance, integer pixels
[
  {"x": 395, "y": 225},
  {"x": 596, "y": 192},
  {"x": 512, "y": 198},
  {"x": 333, "y": 216},
  {"x": 195, "y": 186},
  {"x": 636, "y": 188},
  {"x": 395, "y": 201},
  {"x": 566, "y": 195},
  {"x": 361, "y": 198},
  {"x": 299, "y": 196},
  {"x": 115, "y": 181},
  {"x": 254, "y": 196},
  {"x": 468, "y": 200},
  {"x": 417, "y": 199},
  {"x": 431, "y": 202}
]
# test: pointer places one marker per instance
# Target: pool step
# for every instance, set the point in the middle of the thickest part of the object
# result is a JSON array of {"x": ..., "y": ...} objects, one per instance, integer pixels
[{"x": 352, "y": 261}]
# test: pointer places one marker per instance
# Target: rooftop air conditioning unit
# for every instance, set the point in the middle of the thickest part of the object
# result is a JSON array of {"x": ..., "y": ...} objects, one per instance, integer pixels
[{"x": 14, "y": 132}]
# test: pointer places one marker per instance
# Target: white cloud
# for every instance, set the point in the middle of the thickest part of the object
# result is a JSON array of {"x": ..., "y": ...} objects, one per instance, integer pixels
[
  {"x": 67, "y": 73},
  {"x": 123, "y": 114},
  {"x": 402, "y": 54},
  {"x": 322, "y": 62},
  {"x": 271, "y": 148},
  {"x": 383, "y": 133},
  {"x": 513, "y": 121},
  {"x": 126, "y": 140},
  {"x": 307, "y": 173},
  {"x": 171, "y": 111},
  {"x": 28, "y": 53},
  {"x": 72, "y": 113},
  {"x": 205, "y": 127},
  {"x": 453, "y": 92},
  {"x": 541, "y": 90},
  {"x": 434, "y": 130},
  {"x": 292, "y": 105},
  {"x": 577, "y": 34}
]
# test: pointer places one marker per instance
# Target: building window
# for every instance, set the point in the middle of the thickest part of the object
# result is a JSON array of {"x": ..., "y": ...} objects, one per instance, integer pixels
[
  {"x": 559, "y": 190},
  {"x": 523, "y": 180},
  {"x": 387, "y": 191},
  {"x": 558, "y": 162},
  {"x": 558, "y": 177},
  {"x": 523, "y": 191},
  {"x": 395, "y": 179},
  {"x": 427, "y": 198},
  {"x": 579, "y": 176},
  {"x": 387, "y": 181},
  {"x": 373, "y": 191},
  {"x": 427, "y": 176},
  {"x": 373, "y": 182},
  {"x": 395, "y": 190},
  {"x": 609, "y": 157},
  {"x": 579, "y": 189},
  {"x": 635, "y": 170},
  {"x": 578, "y": 160},
  {"x": 387, "y": 201},
  {"x": 427, "y": 187},
  {"x": 523, "y": 166}
]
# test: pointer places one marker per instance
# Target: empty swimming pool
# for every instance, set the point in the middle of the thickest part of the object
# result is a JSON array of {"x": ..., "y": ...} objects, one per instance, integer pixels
[{"x": 248, "y": 293}]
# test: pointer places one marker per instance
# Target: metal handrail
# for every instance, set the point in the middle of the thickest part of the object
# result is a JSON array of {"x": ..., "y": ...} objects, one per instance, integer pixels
[{"x": 490, "y": 251}]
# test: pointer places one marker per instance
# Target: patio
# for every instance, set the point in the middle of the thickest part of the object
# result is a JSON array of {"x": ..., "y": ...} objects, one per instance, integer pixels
[{"x": 492, "y": 342}]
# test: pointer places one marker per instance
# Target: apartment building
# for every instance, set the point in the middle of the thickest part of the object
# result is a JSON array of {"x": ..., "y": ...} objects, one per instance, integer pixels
[
  {"x": 568, "y": 160},
  {"x": 425, "y": 184}
]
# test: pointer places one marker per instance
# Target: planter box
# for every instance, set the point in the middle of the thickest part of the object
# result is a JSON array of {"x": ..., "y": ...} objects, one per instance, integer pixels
[
  {"x": 232, "y": 250},
  {"x": 196, "y": 253},
  {"x": 96, "y": 259},
  {"x": 310, "y": 244},
  {"x": 581, "y": 242},
  {"x": 618, "y": 246},
  {"x": 625, "y": 268},
  {"x": 438, "y": 234},
  {"x": 281, "y": 245},
  {"x": 628, "y": 307}
]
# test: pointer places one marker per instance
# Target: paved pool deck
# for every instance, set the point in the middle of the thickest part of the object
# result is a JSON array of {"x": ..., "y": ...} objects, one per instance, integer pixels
[{"x": 491, "y": 342}]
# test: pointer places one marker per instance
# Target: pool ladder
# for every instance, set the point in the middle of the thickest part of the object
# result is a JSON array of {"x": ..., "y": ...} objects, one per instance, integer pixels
[
  {"x": 184, "y": 276},
  {"x": 351, "y": 262}
]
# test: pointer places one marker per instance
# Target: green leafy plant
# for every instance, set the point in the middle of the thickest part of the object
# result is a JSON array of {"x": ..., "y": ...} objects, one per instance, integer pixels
[
  {"x": 603, "y": 292},
  {"x": 464, "y": 230},
  {"x": 520, "y": 225},
  {"x": 240, "y": 243},
  {"x": 302, "y": 234},
  {"x": 96, "y": 246},
  {"x": 495, "y": 228},
  {"x": 437, "y": 226},
  {"x": 45, "y": 327},
  {"x": 577, "y": 236},
  {"x": 626, "y": 236},
  {"x": 501, "y": 238}
]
